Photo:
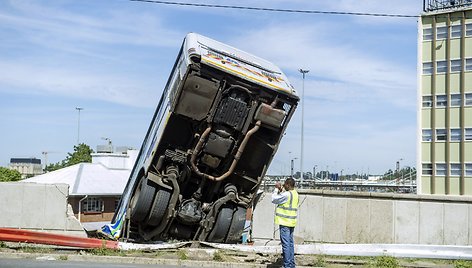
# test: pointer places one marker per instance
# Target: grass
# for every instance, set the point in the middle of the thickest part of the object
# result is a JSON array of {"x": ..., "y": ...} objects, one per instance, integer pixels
[
  {"x": 104, "y": 251},
  {"x": 63, "y": 258},
  {"x": 159, "y": 253},
  {"x": 30, "y": 249},
  {"x": 2, "y": 244},
  {"x": 462, "y": 264},
  {"x": 319, "y": 261},
  {"x": 218, "y": 256},
  {"x": 182, "y": 254},
  {"x": 385, "y": 262}
]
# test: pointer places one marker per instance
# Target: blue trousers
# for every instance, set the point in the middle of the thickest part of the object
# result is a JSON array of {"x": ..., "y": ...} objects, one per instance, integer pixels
[{"x": 288, "y": 249}]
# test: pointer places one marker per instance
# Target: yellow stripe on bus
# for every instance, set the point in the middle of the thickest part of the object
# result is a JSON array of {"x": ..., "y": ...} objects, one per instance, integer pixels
[{"x": 252, "y": 78}]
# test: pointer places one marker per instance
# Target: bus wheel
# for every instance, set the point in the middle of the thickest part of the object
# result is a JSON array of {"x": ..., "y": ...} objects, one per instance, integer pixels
[
  {"x": 221, "y": 226},
  {"x": 159, "y": 207},
  {"x": 142, "y": 201},
  {"x": 237, "y": 226}
]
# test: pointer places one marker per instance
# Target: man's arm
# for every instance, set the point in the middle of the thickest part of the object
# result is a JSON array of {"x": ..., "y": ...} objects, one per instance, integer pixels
[{"x": 278, "y": 197}]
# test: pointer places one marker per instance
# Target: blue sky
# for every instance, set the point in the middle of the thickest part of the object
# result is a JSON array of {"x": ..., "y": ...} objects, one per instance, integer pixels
[{"x": 113, "y": 58}]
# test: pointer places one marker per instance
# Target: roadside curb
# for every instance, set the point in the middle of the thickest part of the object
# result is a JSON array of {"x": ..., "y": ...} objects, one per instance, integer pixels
[{"x": 126, "y": 260}]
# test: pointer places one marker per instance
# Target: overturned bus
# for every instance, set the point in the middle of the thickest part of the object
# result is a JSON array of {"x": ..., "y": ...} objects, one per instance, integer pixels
[{"x": 214, "y": 133}]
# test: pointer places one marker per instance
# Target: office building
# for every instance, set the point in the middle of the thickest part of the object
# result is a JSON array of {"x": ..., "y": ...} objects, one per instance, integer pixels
[
  {"x": 28, "y": 167},
  {"x": 445, "y": 98}
]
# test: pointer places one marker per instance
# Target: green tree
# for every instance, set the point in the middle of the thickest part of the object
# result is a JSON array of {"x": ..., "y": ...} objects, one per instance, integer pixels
[
  {"x": 7, "y": 174},
  {"x": 405, "y": 172},
  {"x": 82, "y": 154},
  {"x": 54, "y": 166}
]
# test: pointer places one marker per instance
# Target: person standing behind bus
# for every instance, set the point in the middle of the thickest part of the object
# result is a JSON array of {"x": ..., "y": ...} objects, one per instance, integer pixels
[{"x": 286, "y": 199}]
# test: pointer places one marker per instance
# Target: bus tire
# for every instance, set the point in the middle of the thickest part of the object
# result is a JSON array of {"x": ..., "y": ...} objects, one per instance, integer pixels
[
  {"x": 221, "y": 226},
  {"x": 237, "y": 226},
  {"x": 159, "y": 207},
  {"x": 142, "y": 201}
]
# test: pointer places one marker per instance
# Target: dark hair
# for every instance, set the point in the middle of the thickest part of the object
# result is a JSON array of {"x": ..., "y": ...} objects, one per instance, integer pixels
[{"x": 290, "y": 182}]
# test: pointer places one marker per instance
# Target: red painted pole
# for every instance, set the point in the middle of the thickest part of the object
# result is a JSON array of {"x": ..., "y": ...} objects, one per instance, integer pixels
[{"x": 26, "y": 236}]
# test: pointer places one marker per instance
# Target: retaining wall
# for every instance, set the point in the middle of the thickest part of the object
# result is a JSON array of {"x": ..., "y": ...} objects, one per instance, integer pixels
[
  {"x": 353, "y": 217},
  {"x": 37, "y": 206}
]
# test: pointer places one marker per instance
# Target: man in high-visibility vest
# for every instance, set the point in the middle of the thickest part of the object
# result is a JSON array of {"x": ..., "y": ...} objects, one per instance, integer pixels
[{"x": 286, "y": 199}]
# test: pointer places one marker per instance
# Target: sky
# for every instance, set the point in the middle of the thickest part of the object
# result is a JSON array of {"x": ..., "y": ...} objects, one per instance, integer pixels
[{"x": 113, "y": 57}]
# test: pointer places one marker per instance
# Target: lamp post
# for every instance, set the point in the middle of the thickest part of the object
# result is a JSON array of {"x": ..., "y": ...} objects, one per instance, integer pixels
[
  {"x": 398, "y": 164},
  {"x": 303, "y": 72},
  {"x": 398, "y": 170},
  {"x": 327, "y": 172},
  {"x": 78, "y": 124},
  {"x": 291, "y": 166}
]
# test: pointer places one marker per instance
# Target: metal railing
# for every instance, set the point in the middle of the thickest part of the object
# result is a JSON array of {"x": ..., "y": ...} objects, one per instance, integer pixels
[
  {"x": 433, "y": 5},
  {"x": 398, "y": 183}
]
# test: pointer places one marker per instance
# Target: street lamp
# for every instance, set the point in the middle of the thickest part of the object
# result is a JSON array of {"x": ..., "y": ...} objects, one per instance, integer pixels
[
  {"x": 291, "y": 166},
  {"x": 78, "y": 124},
  {"x": 303, "y": 72},
  {"x": 398, "y": 170},
  {"x": 398, "y": 164}
]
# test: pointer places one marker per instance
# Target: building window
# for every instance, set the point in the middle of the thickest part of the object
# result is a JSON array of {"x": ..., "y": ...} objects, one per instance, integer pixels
[
  {"x": 441, "y": 66},
  {"x": 117, "y": 202},
  {"x": 427, "y": 135},
  {"x": 455, "y": 170},
  {"x": 441, "y": 135},
  {"x": 427, "y": 34},
  {"x": 468, "y": 64},
  {"x": 468, "y": 29},
  {"x": 441, "y": 101},
  {"x": 456, "y": 100},
  {"x": 427, "y": 169},
  {"x": 468, "y": 169},
  {"x": 441, "y": 32},
  {"x": 427, "y": 101},
  {"x": 468, "y": 134},
  {"x": 93, "y": 204},
  {"x": 468, "y": 99},
  {"x": 456, "y": 134},
  {"x": 427, "y": 68},
  {"x": 440, "y": 169},
  {"x": 456, "y": 65},
  {"x": 456, "y": 31}
]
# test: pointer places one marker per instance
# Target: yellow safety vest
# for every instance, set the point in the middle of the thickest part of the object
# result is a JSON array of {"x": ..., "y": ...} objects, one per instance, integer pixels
[{"x": 286, "y": 213}]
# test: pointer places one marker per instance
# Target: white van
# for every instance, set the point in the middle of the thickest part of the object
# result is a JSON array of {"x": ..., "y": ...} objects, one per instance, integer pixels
[{"x": 213, "y": 135}]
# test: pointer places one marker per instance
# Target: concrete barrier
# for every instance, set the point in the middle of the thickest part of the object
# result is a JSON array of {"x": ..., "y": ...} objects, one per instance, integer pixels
[
  {"x": 378, "y": 218},
  {"x": 37, "y": 206}
]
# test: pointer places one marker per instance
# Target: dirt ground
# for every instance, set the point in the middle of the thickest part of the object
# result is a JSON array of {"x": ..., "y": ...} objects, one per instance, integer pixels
[{"x": 210, "y": 256}]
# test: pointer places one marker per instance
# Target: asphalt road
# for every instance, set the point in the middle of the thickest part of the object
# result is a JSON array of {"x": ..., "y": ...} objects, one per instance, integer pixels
[{"x": 33, "y": 263}]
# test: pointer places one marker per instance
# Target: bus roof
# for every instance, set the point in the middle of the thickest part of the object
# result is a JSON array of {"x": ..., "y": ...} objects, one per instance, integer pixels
[{"x": 238, "y": 62}]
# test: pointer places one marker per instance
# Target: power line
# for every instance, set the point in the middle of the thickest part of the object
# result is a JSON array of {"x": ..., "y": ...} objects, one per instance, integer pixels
[{"x": 278, "y": 9}]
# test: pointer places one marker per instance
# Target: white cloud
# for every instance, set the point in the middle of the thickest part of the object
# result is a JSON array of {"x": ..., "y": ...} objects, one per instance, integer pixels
[
  {"x": 406, "y": 7},
  {"x": 342, "y": 68},
  {"x": 55, "y": 50},
  {"x": 49, "y": 24},
  {"x": 100, "y": 86}
]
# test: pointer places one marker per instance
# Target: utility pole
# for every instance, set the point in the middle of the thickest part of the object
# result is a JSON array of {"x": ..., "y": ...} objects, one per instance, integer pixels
[
  {"x": 78, "y": 124},
  {"x": 303, "y": 72},
  {"x": 45, "y": 154}
]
